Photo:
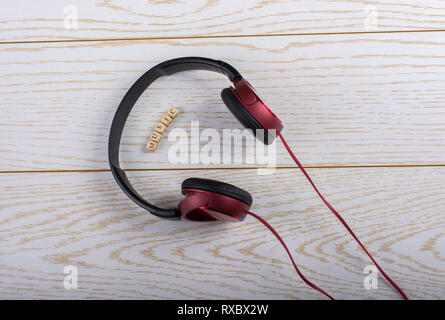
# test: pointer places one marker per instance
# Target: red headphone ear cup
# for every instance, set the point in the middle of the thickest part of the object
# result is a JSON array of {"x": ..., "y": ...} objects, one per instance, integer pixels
[
  {"x": 213, "y": 200},
  {"x": 243, "y": 115}
]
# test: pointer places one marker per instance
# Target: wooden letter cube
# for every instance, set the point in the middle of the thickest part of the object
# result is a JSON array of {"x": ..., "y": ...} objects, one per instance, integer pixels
[
  {"x": 173, "y": 112},
  {"x": 155, "y": 136},
  {"x": 160, "y": 127},
  {"x": 166, "y": 119},
  {"x": 152, "y": 145}
]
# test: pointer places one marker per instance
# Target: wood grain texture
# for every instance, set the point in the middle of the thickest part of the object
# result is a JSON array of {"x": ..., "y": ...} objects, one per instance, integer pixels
[
  {"x": 49, "y": 220},
  {"x": 348, "y": 94},
  {"x": 375, "y": 99},
  {"x": 108, "y": 19}
]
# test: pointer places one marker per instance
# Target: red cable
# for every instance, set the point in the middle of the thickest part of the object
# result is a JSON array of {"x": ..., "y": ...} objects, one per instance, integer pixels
[
  {"x": 290, "y": 256},
  {"x": 399, "y": 290}
]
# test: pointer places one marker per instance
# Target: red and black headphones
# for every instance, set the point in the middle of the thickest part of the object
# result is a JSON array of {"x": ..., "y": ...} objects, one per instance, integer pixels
[{"x": 206, "y": 199}]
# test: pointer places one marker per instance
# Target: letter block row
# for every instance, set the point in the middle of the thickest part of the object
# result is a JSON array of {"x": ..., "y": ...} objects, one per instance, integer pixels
[{"x": 160, "y": 128}]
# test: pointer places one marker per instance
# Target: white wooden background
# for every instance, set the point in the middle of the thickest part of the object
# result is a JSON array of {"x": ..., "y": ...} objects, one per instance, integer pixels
[{"x": 364, "y": 109}]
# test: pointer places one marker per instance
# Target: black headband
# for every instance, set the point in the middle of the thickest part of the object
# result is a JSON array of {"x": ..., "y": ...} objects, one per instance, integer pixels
[{"x": 127, "y": 103}]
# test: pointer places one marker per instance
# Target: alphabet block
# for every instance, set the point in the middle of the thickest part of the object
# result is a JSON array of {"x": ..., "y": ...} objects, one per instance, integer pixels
[
  {"x": 166, "y": 120},
  {"x": 160, "y": 127},
  {"x": 173, "y": 112},
  {"x": 155, "y": 136},
  {"x": 152, "y": 145}
]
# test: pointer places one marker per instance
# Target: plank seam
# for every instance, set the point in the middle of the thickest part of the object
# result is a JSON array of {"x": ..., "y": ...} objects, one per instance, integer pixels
[{"x": 222, "y": 36}]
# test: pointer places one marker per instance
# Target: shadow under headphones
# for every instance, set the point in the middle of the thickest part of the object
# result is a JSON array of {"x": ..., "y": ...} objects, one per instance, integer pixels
[{"x": 206, "y": 199}]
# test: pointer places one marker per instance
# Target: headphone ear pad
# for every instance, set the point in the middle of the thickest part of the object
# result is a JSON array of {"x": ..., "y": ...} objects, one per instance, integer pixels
[
  {"x": 222, "y": 188},
  {"x": 243, "y": 115}
]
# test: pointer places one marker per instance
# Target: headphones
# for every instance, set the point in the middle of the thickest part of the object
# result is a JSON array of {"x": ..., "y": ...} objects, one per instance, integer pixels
[{"x": 205, "y": 199}]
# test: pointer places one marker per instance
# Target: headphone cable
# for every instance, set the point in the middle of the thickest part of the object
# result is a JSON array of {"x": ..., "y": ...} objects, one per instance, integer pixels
[
  {"x": 395, "y": 286},
  {"x": 312, "y": 285}
]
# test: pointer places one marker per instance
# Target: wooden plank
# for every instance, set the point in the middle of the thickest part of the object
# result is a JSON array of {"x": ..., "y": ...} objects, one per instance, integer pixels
[
  {"x": 49, "y": 220},
  {"x": 45, "y": 20},
  {"x": 376, "y": 99}
]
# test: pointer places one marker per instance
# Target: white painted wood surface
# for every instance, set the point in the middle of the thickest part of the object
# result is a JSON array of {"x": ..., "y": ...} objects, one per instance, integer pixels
[
  {"x": 112, "y": 19},
  {"x": 50, "y": 220},
  {"x": 373, "y": 101}
]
